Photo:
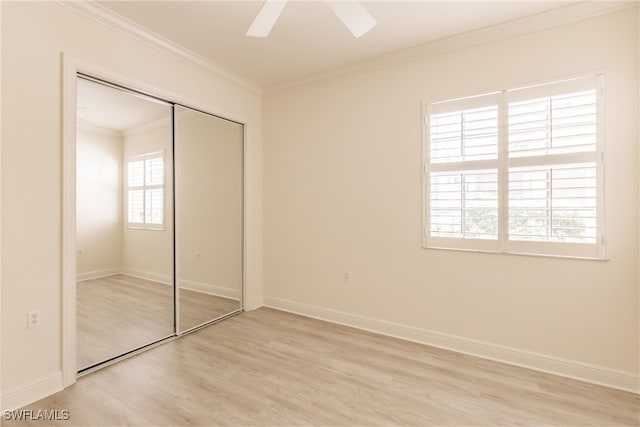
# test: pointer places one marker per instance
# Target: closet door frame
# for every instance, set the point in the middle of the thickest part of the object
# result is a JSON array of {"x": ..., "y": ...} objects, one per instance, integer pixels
[{"x": 71, "y": 68}]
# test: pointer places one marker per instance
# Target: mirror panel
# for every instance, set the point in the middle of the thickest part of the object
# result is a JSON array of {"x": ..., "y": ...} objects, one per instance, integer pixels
[
  {"x": 124, "y": 222},
  {"x": 209, "y": 216}
]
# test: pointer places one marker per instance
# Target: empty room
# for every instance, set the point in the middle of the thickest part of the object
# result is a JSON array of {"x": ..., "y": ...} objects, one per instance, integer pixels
[{"x": 320, "y": 213}]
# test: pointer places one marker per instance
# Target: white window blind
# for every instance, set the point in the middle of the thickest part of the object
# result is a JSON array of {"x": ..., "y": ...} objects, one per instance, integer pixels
[
  {"x": 463, "y": 173},
  {"x": 555, "y": 203},
  {"x": 554, "y": 124},
  {"x": 136, "y": 206},
  {"x": 518, "y": 171},
  {"x": 464, "y": 204},
  {"x": 145, "y": 191},
  {"x": 465, "y": 135}
]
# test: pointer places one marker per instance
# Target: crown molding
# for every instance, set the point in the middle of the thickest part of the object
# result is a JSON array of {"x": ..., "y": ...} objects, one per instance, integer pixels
[
  {"x": 92, "y": 127},
  {"x": 165, "y": 121},
  {"x": 564, "y": 15},
  {"x": 553, "y": 18},
  {"x": 146, "y": 127},
  {"x": 108, "y": 17}
]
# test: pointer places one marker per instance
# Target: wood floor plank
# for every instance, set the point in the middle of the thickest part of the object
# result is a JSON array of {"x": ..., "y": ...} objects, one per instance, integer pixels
[{"x": 270, "y": 368}]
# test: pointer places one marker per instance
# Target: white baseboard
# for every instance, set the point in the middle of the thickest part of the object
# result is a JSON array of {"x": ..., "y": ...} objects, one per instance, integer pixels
[
  {"x": 540, "y": 362},
  {"x": 211, "y": 289},
  {"x": 99, "y": 273},
  {"x": 19, "y": 397},
  {"x": 148, "y": 275}
]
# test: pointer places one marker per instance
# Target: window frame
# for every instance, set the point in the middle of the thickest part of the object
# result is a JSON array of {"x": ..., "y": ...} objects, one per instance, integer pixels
[
  {"x": 503, "y": 244},
  {"x": 144, "y": 188}
]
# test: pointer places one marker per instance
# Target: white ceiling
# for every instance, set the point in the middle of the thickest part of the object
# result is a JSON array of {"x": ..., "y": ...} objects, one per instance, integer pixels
[
  {"x": 114, "y": 109},
  {"x": 308, "y": 38}
]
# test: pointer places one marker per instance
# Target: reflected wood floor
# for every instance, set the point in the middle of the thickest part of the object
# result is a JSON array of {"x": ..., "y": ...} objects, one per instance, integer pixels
[
  {"x": 267, "y": 367},
  {"x": 120, "y": 313},
  {"x": 197, "y": 308}
]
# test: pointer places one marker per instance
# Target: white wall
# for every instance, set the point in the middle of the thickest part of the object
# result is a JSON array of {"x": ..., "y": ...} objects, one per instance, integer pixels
[
  {"x": 342, "y": 186},
  {"x": 35, "y": 35},
  {"x": 98, "y": 201},
  {"x": 149, "y": 253}
]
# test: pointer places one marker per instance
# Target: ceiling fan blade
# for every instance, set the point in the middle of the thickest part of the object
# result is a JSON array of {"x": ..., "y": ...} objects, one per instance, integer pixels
[
  {"x": 266, "y": 18},
  {"x": 354, "y": 16}
]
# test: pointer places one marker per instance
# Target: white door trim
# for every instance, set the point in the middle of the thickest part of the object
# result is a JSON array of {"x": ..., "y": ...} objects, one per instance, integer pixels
[{"x": 69, "y": 262}]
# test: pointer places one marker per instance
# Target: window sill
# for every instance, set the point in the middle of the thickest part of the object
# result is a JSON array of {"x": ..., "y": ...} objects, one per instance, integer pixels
[
  {"x": 520, "y": 254},
  {"x": 143, "y": 227}
]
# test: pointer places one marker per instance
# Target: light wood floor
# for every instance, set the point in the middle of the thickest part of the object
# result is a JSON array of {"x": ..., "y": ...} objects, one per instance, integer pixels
[
  {"x": 266, "y": 367},
  {"x": 120, "y": 313}
]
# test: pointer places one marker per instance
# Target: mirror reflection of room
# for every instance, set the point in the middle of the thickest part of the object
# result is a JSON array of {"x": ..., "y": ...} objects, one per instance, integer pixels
[
  {"x": 124, "y": 230},
  {"x": 209, "y": 206}
]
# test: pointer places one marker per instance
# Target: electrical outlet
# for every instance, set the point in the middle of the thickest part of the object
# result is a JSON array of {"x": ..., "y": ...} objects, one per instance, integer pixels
[
  {"x": 346, "y": 276},
  {"x": 33, "y": 318}
]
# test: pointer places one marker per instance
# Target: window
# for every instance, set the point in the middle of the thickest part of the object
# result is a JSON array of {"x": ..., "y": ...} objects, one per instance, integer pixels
[
  {"x": 145, "y": 191},
  {"x": 518, "y": 171}
]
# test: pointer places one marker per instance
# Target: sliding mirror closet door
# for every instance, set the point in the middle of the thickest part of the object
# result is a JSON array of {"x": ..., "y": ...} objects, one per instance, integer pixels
[
  {"x": 124, "y": 217},
  {"x": 209, "y": 217}
]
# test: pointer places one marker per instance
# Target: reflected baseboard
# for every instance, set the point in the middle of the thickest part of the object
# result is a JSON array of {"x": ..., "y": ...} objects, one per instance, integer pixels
[
  {"x": 192, "y": 285},
  {"x": 211, "y": 289},
  {"x": 165, "y": 279},
  {"x": 99, "y": 273}
]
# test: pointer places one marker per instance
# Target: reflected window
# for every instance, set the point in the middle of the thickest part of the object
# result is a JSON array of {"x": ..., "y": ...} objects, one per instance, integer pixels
[{"x": 145, "y": 191}]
